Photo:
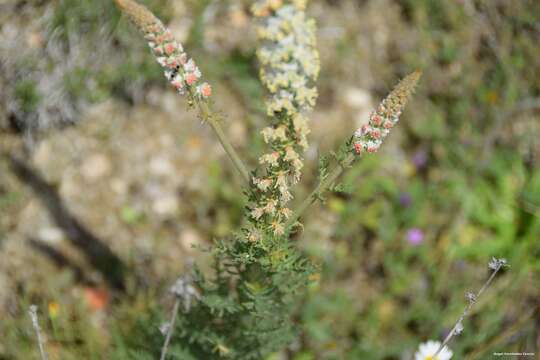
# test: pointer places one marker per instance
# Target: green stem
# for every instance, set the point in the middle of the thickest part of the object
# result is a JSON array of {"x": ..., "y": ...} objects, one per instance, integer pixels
[
  {"x": 321, "y": 188},
  {"x": 207, "y": 115}
]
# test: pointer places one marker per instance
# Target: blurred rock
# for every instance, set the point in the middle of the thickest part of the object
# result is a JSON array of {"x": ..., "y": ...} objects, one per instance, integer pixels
[
  {"x": 51, "y": 235},
  {"x": 43, "y": 154},
  {"x": 161, "y": 166},
  {"x": 181, "y": 28},
  {"x": 166, "y": 205},
  {"x": 194, "y": 148},
  {"x": 95, "y": 167},
  {"x": 360, "y": 101},
  {"x": 119, "y": 186},
  {"x": 357, "y": 98},
  {"x": 190, "y": 237},
  {"x": 35, "y": 40},
  {"x": 237, "y": 131}
]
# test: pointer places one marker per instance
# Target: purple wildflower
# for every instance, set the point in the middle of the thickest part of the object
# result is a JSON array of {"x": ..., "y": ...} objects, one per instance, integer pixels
[
  {"x": 405, "y": 199},
  {"x": 415, "y": 236},
  {"x": 420, "y": 159}
]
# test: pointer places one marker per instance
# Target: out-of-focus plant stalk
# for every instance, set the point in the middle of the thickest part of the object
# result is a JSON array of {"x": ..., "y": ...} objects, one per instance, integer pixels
[
  {"x": 170, "y": 329},
  {"x": 37, "y": 330},
  {"x": 185, "y": 293}
]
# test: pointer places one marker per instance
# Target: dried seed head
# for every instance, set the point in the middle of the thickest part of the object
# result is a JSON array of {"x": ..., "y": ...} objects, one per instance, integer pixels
[
  {"x": 471, "y": 297},
  {"x": 496, "y": 264},
  {"x": 183, "y": 289}
]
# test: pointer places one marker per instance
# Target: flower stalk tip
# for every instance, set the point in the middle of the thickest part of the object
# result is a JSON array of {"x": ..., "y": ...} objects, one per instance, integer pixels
[
  {"x": 369, "y": 137},
  {"x": 137, "y": 13}
]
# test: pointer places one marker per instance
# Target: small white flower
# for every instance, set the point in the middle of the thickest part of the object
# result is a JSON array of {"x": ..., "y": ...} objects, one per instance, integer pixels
[
  {"x": 429, "y": 348},
  {"x": 270, "y": 207},
  {"x": 257, "y": 213},
  {"x": 262, "y": 184},
  {"x": 286, "y": 196},
  {"x": 290, "y": 154},
  {"x": 190, "y": 66},
  {"x": 162, "y": 61},
  {"x": 280, "y": 133},
  {"x": 268, "y": 134},
  {"x": 271, "y": 158},
  {"x": 278, "y": 228},
  {"x": 281, "y": 181},
  {"x": 286, "y": 212}
]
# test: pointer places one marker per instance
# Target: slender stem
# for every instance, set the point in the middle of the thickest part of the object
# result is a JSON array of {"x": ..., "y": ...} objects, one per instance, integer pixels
[
  {"x": 322, "y": 187},
  {"x": 170, "y": 328},
  {"x": 208, "y": 116},
  {"x": 37, "y": 329},
  {"x": 466, "y": 311}
]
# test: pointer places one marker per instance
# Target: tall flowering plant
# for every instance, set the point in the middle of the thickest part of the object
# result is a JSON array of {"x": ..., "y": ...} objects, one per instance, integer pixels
[{"x": 244, "y": 309}]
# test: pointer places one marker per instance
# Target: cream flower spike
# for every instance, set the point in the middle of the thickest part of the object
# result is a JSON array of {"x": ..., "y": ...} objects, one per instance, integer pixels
[{"x": 289, "y": 68}]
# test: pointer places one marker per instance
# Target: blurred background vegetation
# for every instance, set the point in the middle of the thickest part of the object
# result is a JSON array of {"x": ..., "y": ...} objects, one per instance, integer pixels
[{"x": 106, "y": 180}]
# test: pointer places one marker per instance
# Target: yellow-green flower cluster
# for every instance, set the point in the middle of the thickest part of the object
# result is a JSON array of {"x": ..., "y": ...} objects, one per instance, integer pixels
[{"x": 289, "y": 67}]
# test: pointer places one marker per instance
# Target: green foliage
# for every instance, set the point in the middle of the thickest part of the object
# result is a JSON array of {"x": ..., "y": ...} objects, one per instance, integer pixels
[
  {"x": 246, "y": 308},
  {"x": 27, "y": 94},
  {"x": 130, "y": 215},
  {"x": 246, "y": 321}
]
